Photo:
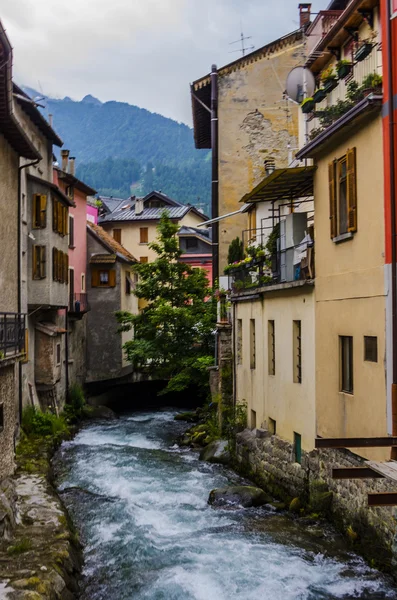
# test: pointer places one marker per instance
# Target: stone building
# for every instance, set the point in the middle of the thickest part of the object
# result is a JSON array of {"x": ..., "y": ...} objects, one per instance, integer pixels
[
  {"x": 110, "y": 285},
  {"x": 256, "y": 123},
  {"x": 14, "y": 145}
]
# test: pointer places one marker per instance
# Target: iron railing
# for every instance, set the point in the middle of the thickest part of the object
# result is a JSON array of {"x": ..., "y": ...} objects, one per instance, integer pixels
[
  {"x": 78, "y": 304},
  {"x": 12, "y": 334}
]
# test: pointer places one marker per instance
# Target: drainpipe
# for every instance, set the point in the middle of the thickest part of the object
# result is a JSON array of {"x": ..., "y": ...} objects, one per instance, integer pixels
[
  {"x": 67, "y": 354},
  {"x": 392, "y": 182},
  {"x": 215, "y": 174},
  {"x": 19, "y": 244}
]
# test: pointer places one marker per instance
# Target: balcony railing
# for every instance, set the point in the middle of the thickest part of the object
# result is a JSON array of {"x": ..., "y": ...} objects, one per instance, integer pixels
[
  {"x": 78, "y": 305},
  {"x": 12, "y": 334},
  {"x": 283, "y": 266}
]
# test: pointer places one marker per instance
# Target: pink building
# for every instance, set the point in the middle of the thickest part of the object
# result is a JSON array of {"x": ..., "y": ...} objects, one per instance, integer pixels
[
  {"x": 92, "y": 212},
  {"x": 78, "y": 191}
]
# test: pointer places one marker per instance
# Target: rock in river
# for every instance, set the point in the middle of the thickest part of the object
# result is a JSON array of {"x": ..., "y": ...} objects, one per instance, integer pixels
[
  {"x": 216, "y": 452},
  {"x": 238, "y": 495}
]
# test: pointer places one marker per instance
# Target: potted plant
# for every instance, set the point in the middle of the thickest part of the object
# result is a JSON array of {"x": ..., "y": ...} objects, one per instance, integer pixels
[
  {"x": 372, "y": 84},
  {"x": 363, "y": 50},
  {"x": 329, "y": 80},
  {"x": 343, "y": 68},
  {"x": 307, "y": 105},
  {"x": 319, "y": 95}
]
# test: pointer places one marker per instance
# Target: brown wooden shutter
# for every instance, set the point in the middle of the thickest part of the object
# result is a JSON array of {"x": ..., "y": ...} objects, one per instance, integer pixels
[
  {"x": 94, "y": 278},
  {"x": 65, "y": 220},
  {"x": 66, "y": 280},
  {"x": 333, "y": 214},
  {"x": 117, "y": 235},
  {"x": 54, "y": 262},
  {"x": 351, "y": 187},
  {"x": 112, "y": 278},
  {"x": 54, "y": 215},
  {"x": 34, "y": 262},
  {"x": 60, "y": 219},
  {"x": 43, "y": 211},
  {"x": 43, "y": 262},
  {"x": 144, "y": 236}
]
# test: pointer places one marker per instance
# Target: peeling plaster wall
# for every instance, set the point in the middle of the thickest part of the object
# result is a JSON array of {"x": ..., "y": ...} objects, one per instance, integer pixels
[{"x": 255, "y": 123}]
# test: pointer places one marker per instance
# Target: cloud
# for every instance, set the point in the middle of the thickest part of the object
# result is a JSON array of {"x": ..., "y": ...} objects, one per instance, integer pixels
[{"x": 144, "y": 52}]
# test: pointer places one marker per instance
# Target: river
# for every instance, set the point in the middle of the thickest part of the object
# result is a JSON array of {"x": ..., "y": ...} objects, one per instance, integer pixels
[{"x": 140, "y": 505}]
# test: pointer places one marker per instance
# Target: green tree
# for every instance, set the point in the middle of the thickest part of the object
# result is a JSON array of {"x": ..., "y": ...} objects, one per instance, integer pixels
[
  {"x": 174, "y": 333},
  {"x": 236, "y": 251}
]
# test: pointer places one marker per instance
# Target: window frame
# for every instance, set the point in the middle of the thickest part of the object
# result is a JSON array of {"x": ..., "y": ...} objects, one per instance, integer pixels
[
  {"x": 189, "y": 240},
  {"x": 346, "y": 384},
  {"x": 368, "y": 350},
  {"x": 252, "y": 344},
  {"x": 297, "y": 350},
  {"x": 271, "y": 346}
]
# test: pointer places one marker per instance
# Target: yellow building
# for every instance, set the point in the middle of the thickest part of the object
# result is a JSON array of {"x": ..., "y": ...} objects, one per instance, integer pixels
[
  {"x": 133, "y": 222},
  {"x": 349, "y": 227},
  {"x": 256, "y": 123}
]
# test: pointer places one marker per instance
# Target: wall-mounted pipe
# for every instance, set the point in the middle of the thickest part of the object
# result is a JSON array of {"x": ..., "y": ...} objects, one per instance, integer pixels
[{"x": 215, "y": 174}]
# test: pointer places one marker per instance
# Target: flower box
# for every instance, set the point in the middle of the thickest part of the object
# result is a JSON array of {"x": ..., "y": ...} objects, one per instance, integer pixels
[
  {"x": 363, "y": 51},
  {"x": 344, "y": 71},
  {"x": 308, "y": 106},
  {"x": 319, "y": 95},
  {"x": 330, "y": 84}
]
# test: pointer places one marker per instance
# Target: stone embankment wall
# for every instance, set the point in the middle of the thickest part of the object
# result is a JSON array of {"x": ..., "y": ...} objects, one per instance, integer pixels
[{"x": 269, "y": 461}]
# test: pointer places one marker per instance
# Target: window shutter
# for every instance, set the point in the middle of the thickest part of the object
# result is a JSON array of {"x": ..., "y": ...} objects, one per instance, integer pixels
[
  {"x": 332, "y": 199},
  {"x": 66, "y": 279},
  {"x": 43, "y": 210},
  {"x": 94, "y": 278},
  {"x": 351, "y": 187},
  {"x": 71, "y": 231},
  {"x": 112, "y": 278},
  {"x": 54, "y": 215},
  {"x": 43, "y": 261},
  {"x": 54, "y": 262},
  {"x": 59, "y": 217},
  {"x": 34, "y": 262},
  {"x": 117, "y": 235},
  {"x": 65, "y": 219}
]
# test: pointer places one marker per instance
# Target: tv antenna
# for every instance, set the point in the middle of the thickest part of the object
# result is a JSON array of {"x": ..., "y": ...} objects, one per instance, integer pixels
[{"x": 242, "y": 39}]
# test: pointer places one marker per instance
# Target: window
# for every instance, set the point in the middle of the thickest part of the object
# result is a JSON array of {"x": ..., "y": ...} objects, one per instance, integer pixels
[
  {"x": 71, "y": 231},
  {"x": 59, "y": 217},
  {"x": 272, "y": 426},
  {"x": 39, "y": 211},
  {"x": 346, "y": 359},
  {"x": 342, "y": 176},
  {"x": 60, "y": 265},
  {"x": 71, "y": 288},
  {"x": 252, "y": 343},
  {"x": 117, "y": 235},
  {"x": 298, "y": 447},
  {"x": 39, "y": 262},
  {"x": 70, "y": 191},
  {"x": 144, "y": 235},
  {"x": 297, "y": 351},
  {"x": 83, "y": 282},
  {"x": 370, "y": 348},
  {"x": 239, "y": 341},
  {"x": 191, "y": 243},
  {"x": 143, "y": 259},
  {"x": 271, "y": 345},
  {"x": 103, "y": 278},
  {"x": 128, "y": 284},
  {"x": 58, "y": 357},
  {"x": 253, "y": 419}
]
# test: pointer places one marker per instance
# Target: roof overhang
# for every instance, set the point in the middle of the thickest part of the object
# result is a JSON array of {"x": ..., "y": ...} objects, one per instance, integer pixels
[
  {"x": 362, "y": 111},
  {"x": 283, "y": 184},
  {"x": 70, "y": 179}
]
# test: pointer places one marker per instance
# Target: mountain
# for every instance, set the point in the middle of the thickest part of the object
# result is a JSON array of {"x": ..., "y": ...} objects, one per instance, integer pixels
[{"x": 122, "y": 149}]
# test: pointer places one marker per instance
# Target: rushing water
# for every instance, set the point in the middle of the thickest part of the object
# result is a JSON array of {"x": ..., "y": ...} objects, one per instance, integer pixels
[{"x": 140, "y": 504}]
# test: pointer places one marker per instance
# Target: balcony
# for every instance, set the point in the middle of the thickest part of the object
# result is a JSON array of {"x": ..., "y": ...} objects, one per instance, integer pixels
[
  {"x": 78, "y": 305},
  {"x": 321, "y": 25},
  {"x": 12, "y": 335}
]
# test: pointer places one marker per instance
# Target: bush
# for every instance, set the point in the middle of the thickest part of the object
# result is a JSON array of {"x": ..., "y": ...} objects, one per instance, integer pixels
[
  {"x": 36, "y": 423},
  {"x": 236, "y": 251},
  {"x": 75, "y": 408}
]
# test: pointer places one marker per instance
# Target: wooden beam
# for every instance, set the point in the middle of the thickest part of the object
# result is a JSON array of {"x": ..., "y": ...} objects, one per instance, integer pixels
[
  {"x": 382, "y": 499},
  {"x": 355, "y": 473},
  {"x": 380, "y": 442}
]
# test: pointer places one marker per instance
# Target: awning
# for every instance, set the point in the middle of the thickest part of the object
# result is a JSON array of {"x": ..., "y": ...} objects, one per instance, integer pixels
[
  {"x": 102, "y": 259},
  {"x": 283, "y": 184},
  {"x": 50, "y": 329}
]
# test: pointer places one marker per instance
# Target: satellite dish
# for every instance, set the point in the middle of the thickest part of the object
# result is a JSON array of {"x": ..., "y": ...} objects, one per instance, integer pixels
[{"x": 298, "y": 79}]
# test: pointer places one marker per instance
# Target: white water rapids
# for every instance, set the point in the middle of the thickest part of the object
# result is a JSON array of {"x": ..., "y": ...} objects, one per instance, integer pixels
[{"x": 140, "y": 505}]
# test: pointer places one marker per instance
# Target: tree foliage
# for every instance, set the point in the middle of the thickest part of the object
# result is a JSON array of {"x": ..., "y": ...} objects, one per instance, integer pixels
[
  {"x": 235, "y": 252},
  {"x": 174, "y": 333}
]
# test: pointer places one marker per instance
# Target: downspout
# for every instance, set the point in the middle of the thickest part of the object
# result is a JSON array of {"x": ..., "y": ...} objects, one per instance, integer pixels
[
  {"x": 215, "y": 174},
  {"x": 19, "y": 244},
  {"x": 392, "y": 183}
]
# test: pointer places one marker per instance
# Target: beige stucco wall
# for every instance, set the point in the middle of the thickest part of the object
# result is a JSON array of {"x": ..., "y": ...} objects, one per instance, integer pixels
[
  {"x": 255, "y": 123},
  {"x": 291, "y": 405},
  {"x": 130, "y": 234},
  {"x": 350, "y": 297},
  {"x": 8, "y": 227}
]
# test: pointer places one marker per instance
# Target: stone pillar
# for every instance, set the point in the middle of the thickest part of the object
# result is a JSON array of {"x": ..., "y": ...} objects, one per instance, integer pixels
[{"x": 225, "y": 363}]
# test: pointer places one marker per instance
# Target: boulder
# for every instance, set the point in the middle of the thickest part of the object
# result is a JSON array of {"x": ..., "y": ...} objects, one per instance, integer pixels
[
  {"x": 238, "y": 495},
  {"x": 216, "y": 452},
  {"x": 101, "y": 412},
  {"x": 190, "y": 417}
]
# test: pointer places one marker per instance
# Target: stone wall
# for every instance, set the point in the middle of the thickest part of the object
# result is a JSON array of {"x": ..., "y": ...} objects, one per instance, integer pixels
[
  {"x": 270, "y": 462},
  {"x": 9, "y": 399},
  {"x": 77, "y": 351}
]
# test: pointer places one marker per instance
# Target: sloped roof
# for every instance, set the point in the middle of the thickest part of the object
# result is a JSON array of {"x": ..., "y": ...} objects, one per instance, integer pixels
[
  {"x": 70, "y": 179},
  {"x": 110, "y": 204},
  {"x": 49, "y": 185},
  {"x": 110, "y": 243},
  {"x": 203, "y": 234},
  {"x": 125, "y": 209},
  {"x": 35, "y": 116}
]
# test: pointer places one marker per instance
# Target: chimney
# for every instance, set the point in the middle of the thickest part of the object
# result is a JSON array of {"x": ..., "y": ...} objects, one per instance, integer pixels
[
  {"x": 270, "y": 166},
  {"x": 50, "y": 119},
  {"x": 71, "y": 165},
  {"x": 138, "y": 206},
  {"x": 304, "y": 15},
  {"x": 65, "y": 160}
]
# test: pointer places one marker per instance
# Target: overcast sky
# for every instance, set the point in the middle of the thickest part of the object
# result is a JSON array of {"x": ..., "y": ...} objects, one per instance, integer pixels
[{"x": 145, "y": 52}]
